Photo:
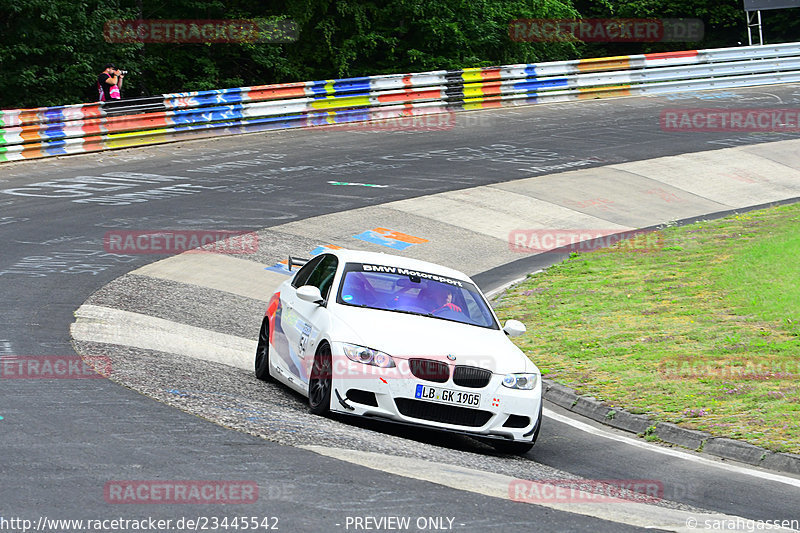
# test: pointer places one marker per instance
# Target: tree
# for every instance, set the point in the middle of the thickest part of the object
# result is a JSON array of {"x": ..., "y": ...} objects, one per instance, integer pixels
[{"x": 51, "y": 51}]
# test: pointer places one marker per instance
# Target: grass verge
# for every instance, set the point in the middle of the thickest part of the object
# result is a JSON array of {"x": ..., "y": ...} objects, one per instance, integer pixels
[{"x": 697, "y": 325}]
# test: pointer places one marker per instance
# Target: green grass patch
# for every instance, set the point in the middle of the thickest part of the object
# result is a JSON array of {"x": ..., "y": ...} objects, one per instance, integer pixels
[{"x": 697, "y": 325}]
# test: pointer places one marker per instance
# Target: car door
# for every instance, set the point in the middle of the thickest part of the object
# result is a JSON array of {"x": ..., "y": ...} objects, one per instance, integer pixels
[
  {"x": 289, "y": 325},
  {"x": 302, "y": 321},
  {"x": 312, "y": 318}
]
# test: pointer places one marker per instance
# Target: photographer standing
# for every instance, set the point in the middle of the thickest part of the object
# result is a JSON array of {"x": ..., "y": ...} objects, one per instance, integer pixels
[{"x": 109, "y": 83}]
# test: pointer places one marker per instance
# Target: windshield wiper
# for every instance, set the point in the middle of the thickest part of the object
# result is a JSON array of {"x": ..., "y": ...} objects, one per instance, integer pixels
[{"x": 407, "y": 312}]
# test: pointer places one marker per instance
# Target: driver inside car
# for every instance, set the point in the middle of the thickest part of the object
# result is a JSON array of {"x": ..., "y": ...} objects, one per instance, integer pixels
[{"x": 442, "y": 299}]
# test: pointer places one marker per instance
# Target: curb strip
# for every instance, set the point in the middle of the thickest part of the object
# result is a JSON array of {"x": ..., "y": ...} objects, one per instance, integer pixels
[{"x": 698, "y": 441}]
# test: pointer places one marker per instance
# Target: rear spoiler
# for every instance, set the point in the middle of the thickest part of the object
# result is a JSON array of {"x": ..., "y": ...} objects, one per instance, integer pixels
[{"x": 296, "y": 261}]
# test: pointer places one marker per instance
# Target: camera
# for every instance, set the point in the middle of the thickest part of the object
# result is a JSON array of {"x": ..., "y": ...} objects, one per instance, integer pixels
[{"x": 122, "y": 72}]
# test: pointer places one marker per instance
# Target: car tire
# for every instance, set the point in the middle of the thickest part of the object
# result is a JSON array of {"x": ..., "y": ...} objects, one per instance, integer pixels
[
  {"x": 320, "y": 382},
  {"x": 262, "y": 353},
  {"x": 519, "y": 447}
]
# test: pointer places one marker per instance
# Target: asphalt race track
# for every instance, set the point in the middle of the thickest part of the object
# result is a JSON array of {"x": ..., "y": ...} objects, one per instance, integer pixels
[{"x": 63, "y": 440}]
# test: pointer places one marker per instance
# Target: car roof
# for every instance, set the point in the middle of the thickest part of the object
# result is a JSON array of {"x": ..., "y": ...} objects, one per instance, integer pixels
[{"x": 380, "y": 258}]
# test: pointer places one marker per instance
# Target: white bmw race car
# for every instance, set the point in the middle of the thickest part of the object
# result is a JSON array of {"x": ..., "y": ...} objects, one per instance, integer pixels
[{"x": 383, "y": 336}]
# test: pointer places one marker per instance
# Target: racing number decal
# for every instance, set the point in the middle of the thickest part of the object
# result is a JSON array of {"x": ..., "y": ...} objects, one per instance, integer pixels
[{"x": 301, "y": 348}]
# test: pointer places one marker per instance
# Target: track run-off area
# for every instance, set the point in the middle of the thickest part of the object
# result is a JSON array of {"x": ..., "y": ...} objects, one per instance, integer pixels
[{"x": 182, "y": 329}]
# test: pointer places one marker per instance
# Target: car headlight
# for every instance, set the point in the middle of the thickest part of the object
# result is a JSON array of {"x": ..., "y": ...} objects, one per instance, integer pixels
[
  {"x": 520, "y": 381},
  {"x": 368, "y": 356}
]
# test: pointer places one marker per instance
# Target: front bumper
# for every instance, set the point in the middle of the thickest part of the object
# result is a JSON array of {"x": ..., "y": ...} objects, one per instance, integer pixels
[{"x": 390, "y": 393}]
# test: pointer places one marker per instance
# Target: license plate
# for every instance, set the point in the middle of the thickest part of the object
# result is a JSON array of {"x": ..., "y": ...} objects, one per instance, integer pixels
[{"x": 454, "y": 397}]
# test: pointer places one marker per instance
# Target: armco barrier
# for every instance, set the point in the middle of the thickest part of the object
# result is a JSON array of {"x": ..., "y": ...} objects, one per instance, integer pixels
[{"x": 53, "y": 131}]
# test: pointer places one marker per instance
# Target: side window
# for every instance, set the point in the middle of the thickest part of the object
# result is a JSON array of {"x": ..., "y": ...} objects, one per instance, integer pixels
[
  {"x": 323, "y": 274},
  {"x": 301, "y": 278},
  {"x": 479, "y": 314},
  {"x": 472, "y": 307}
]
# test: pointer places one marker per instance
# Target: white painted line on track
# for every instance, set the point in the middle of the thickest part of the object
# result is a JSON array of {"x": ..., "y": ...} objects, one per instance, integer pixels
[
  {"x": 113, "y": 326},
  {"x": 632, "y": 441},
  {"x": 500, "y": 486},
  {"x": 216, "y": 271}
]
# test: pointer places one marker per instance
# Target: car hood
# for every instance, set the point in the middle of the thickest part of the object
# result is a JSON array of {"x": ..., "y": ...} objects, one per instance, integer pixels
[{"x": 405, "y": 336}]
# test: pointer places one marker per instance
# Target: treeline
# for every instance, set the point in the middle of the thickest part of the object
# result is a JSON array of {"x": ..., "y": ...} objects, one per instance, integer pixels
[{"x": 51, "y": 51}]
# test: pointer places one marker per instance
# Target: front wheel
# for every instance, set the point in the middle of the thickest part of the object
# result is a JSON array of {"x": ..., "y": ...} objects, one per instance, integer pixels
[
  {"x": 320, "y": 381},
  {"x": 262, "y": 353}
]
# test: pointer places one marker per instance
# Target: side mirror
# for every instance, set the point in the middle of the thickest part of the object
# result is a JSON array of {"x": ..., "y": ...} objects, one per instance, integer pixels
[
  {"x": 309, "y": 293},
  {"x": 514, "y": 328}
]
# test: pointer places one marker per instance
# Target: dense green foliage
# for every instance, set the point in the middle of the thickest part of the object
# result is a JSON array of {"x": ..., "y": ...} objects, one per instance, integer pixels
[
  {"x": 724, "y": 21},
  {"x": 51, "y": 51}
]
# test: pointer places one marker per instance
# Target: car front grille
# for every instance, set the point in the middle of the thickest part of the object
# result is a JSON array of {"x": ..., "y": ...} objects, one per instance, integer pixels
[
  {"x": 429, "y": 370},
  {"x": 445, "y": 414},
  {"x": 471, "y": 376}
]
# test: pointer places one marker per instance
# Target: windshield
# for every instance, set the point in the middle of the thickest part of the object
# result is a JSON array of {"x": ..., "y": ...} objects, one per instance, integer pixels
[{"x": 402, "y": 290}]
